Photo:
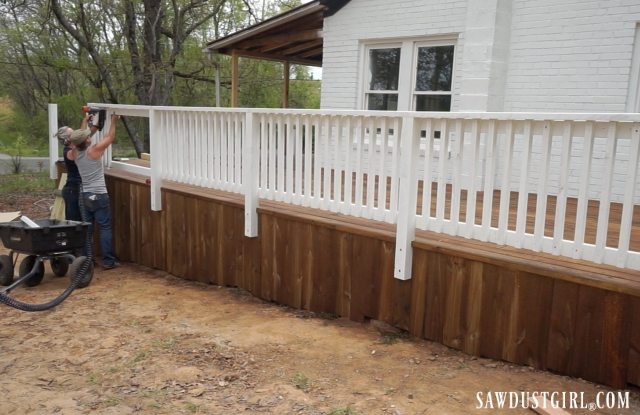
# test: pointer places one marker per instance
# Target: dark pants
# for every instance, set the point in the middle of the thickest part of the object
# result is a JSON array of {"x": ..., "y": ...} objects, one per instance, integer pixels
[
  {"x": 98, "y": 209},
  {"x": 71, "y": 195}
]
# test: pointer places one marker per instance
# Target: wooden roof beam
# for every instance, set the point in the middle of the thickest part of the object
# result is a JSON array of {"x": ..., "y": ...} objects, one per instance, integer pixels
[
  {"x": 280, "y": 58},
  {"x": 302, "y": 47},
  {"x": 282, "y": 38},
  {"x": 313, "y": 52}
]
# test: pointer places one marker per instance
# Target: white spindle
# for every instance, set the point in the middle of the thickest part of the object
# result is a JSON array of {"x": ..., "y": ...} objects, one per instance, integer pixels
[
  {"x": 280, "y": 167},
  {"x": 505, "y": 186},
  {"x": 523, "y": 191},
  {"x": 176, "y": 136},
  {"x": 442, "y": 175},
  {"x": 561, "y": 202},
  {"x": 317, "y": 161},
  {"x": 427, "y": 175},
  {"x": 471, "y": 189},
  {"x": 395, "y": 162},
  {"x": 290, "y": 149},
  {"x": 210, "y": 140},
  {"x": 489, "y": 178},
  {"x": 224, "y": 164},
  {"x": 382, "y": 193},
  {"x": 348, "y": 169},
  {"x": 371, "y": 176},
  {"x": 230, "y": 155},
  {"x": 583, "y": 193},
  {"x": 326, "y": 169},
  {"x": 200, "y": 156},
  {"x": 605, "y": 194},
  {"x": 217, "y": 148},
  {"x": 166, "y": 163},
  {"x": 541, "y": 198},
  {"x": 308, "y": 139},
  {"x": 237, "y": 183},
  {"x": 337, "y": 164},
  {"x": 356, "y": 208},
  {"x": 456, "y": 158},
  {"x": 183, "y": 147},
  {"x": 175, "y": 155},
  {"x": 629, "y": 192},
  {"x": 264, "y": 152},
  {"x": 204, "y": 149},
  {"x": 191, "y": 147},
  {"x": 272, "y": 151},
  {"x": 299, "y": 161}
]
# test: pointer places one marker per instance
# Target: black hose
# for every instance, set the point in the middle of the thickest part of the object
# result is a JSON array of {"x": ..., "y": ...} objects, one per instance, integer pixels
[{"x": 75, "y": 281}]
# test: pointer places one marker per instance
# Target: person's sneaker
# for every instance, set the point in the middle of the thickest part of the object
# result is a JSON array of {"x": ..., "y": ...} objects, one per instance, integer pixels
[{"x": 110, "y": 266}]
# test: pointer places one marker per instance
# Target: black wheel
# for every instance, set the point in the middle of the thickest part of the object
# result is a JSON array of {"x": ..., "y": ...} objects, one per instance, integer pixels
[
  {"x": 27, "y": 265},
  {"x": 6, "y": 270},
  {"x": 76, "y": 267},
  {"x": 59, "y": 266}
]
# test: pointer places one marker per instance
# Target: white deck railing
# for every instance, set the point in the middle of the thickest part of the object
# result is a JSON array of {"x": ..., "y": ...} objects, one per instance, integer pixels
[{"x": 545, "y": 182}]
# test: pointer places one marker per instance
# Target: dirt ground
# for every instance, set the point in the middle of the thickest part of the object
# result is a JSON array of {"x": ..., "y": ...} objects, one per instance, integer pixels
[{"x": 142, "y": 341}]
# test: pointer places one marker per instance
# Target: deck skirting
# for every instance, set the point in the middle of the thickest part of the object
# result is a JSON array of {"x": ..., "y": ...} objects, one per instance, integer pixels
[{"x": 574, "y": 320}]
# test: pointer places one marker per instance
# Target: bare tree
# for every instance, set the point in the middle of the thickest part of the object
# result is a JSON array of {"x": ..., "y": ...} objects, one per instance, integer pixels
[{"x": 154, "y": 33}]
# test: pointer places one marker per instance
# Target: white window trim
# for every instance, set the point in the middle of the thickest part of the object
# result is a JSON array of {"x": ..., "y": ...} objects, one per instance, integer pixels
[
  {"x": 414, "y": 70},
  {"x": 408, "y": 56},
  {"x": 633, "y": 94},
  {"x": 366, "y": 74}
]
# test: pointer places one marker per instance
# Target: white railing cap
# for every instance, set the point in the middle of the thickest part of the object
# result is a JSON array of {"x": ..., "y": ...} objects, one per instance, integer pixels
[{"x": 143, "y": 111}]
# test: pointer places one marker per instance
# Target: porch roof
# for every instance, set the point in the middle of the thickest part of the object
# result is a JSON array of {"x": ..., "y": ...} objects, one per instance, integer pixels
[{"x": 294, "y": 36}]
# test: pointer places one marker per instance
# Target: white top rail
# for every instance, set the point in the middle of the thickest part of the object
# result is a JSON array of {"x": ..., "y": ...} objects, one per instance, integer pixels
[{"x": 143, "y": 110}]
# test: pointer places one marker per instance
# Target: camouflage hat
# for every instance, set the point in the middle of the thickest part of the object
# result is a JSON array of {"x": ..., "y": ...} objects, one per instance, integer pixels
[{"x": 79, "y": 136}]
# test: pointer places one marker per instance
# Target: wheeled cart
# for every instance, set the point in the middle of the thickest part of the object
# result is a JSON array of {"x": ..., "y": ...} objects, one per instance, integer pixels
[{"x": 56, "y": 241}]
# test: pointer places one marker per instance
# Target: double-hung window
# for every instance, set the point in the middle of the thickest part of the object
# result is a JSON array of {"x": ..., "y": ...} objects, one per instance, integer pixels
[
  {"x": 384, "y": 73},
  {"x": 415, "y": 76},
  {"x": 434, "y": 71}
]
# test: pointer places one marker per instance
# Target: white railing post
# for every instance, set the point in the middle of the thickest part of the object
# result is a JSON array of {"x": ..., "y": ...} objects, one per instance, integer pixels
[
  {"x": 155, "y": 148},
  {"x": 53, "y": 141},
  {"x": 250, "y": 165},
  {"x": 406, "y": 229}
]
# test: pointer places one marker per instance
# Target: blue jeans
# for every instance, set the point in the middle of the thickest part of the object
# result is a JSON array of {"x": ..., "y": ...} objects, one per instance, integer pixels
[
  {"x": 98, "y": 209},
  {"x": 70, "y": 194}
]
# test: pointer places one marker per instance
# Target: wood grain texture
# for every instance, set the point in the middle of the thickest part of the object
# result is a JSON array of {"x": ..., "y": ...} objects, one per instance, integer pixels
[
  {"x": 633, "y": 372},
  {"x": 500, "y": 303}
]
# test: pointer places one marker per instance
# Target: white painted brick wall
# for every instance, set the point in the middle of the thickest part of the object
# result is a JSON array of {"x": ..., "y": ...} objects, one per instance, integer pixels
[
  {"x": 379, "y": 19},
  {"x": 570, "y": 56},
  {"x": 564, "y": 55}
]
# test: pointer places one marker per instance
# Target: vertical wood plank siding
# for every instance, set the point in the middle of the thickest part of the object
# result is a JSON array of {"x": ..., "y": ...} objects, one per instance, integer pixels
[{"x": 483, "y": 308}]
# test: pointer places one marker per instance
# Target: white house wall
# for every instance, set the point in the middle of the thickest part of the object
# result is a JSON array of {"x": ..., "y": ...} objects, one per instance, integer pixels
[
  {"x": 362, "y": 20},
  {"x": 567, "y": 56},
  {"x": 571, "y": 56}
]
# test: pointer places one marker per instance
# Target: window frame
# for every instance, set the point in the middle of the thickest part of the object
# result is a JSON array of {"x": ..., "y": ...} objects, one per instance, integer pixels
[
  {"x": 366, "y": 91},
  {"x": 406, "y": 93},
  {"x": 414, "y": 73}
]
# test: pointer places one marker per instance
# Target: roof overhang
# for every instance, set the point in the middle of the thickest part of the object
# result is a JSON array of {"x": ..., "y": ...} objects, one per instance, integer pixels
[{"x": 294, "y": 36}]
